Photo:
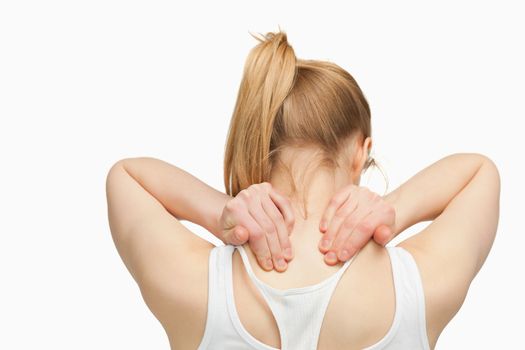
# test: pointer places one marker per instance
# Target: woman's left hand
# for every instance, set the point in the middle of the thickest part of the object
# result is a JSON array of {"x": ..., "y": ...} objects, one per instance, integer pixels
[
  {"x": 263, "y": 217},
  {"x": 353, "y": 217}
]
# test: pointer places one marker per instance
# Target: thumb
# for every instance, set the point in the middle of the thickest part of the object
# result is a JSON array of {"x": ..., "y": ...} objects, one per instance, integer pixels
[
  {"x": 237, "y": 236},
  {"x": 382, "y": 234}
]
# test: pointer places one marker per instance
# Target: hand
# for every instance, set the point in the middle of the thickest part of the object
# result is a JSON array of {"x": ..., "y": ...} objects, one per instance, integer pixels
[
  {"x": 263, "y": 217},
  {"x": 352, "y": 217}
]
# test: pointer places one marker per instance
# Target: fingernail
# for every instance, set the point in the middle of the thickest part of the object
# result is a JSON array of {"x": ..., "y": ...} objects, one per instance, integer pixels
[
  {"x": 269, "y": 263},
  {"x": 344, "y": 255},
  {"x": 288, "y": 253},
  {"x": 325, "y": 244},
  {"x": 281, "y": 263},
  {"x": 331, "y": 257}
]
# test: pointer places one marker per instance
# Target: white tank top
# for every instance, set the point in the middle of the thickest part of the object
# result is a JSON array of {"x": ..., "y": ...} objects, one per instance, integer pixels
[{"x": 299, "y": 312}]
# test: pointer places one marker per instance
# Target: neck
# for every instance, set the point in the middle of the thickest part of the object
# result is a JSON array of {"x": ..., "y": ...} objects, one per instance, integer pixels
[
  {"x": 313, "y": 192},
  {"x": 315, "y": 186},
  {"x": 319, "y": 188},
  {"x": 305, "y": 236}
]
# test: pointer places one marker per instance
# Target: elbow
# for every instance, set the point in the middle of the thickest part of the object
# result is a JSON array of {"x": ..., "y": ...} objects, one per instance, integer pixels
[
  {"x": 489, "y": 166},
  {"x": 494, "y": 183},
  {"x": 493, "y": 170},
  {"x": 115, "y": 168}
]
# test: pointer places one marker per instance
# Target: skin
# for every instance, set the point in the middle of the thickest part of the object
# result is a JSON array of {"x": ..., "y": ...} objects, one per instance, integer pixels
[
  {"x": 264, "y": 216},
  {"x": 147, "y": 197}
]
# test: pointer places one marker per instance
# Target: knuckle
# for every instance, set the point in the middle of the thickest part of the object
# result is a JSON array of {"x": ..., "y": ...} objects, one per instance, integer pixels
[
  {"x": 348, "y": 224},
  {"x": 365, "y": 226},
  {"x": 271, "y": 231},
  {"x": 340, "y": 214},
  {"x": 275, "y": 215},
  {"x": 350, "y": 246},
  {"x": 257, "y": 234},
  {"x": 269, "y": 228},
  {"x": 333, "y": 201},
  {"x": 263, "y": 187},
  {"x": 337, "y": 243},
  {"x": 266, "y": 185},
  {"x": 231, "y": 205}
]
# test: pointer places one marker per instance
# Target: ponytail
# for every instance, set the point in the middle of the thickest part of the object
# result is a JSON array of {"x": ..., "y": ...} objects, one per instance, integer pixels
[{"x": 269, "y": 74}]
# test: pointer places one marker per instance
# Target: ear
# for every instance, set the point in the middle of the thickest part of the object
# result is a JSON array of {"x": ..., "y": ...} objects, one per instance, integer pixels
[
  {"x": 361, "y": 156},
  {"x": 363, "y": 152},
  {"x": 367, "y": 148}
]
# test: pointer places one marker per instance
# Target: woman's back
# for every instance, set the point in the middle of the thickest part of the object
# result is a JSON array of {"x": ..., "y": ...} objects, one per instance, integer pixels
[{"x": 360, "y": 311}]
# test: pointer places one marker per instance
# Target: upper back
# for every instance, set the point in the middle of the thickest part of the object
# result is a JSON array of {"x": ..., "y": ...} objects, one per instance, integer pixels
[{"x": 378, "y": 302}]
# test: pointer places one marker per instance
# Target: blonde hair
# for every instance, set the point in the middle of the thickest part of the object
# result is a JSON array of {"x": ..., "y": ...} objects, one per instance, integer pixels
[{"x": 284, "y": 101}]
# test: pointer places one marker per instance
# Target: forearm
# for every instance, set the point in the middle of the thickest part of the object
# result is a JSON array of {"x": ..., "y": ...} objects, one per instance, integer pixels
[
  {"x": 425, "y": 195},
  {"x": 182, "y": 194}
]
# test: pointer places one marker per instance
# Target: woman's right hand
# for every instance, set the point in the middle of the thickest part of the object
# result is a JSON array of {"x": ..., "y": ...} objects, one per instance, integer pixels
[
  {"x": 264, "y": 218},
  {"x": 354, "y": 215}
]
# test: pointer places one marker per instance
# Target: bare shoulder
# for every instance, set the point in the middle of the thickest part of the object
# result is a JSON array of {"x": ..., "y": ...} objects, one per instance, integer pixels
[
  {"x": 442, "y": 300},
  {"x": 167, "y": 260},
  {"x": 181, "y": 306},
  {"x": 451, "y": 250}
]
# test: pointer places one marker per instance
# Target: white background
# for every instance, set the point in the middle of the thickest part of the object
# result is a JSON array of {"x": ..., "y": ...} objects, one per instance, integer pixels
[{"x": 86, "y": 83}]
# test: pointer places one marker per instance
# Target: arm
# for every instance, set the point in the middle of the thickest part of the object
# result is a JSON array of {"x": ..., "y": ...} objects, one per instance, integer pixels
[
  {"x": 167, "y": 260},
  {"x": 460, "y": 193},
  {"x": 183, "y": 195},
  {"x": 187, "y": 198},
  {"x": 426, "y": 194}
]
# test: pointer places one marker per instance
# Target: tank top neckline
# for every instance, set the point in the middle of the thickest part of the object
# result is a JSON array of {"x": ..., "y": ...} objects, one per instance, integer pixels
[{"x": 297, "y": 290}]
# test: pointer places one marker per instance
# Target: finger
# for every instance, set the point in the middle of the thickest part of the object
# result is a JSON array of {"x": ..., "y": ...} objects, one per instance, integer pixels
[
  {"x": 258, "y": 243},
  {"x": 360, "y": 236},
  {"x": 345, "y": 230},
  {"x": 284, "y": 207},
  {"x": 278, "y": 221},
  {"x": 336, "y": 222},
  {"x": 335, "y": 203},
  {"x": 348, "y": 226},
  {"x": 258, "y": 213}
]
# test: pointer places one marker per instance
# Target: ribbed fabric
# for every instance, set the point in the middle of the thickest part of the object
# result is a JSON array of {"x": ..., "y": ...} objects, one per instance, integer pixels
[{"x": 299, "y": 312}]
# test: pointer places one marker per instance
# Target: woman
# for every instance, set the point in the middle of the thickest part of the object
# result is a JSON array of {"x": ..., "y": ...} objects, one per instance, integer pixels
[{"x": 299, "y": 139}]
